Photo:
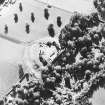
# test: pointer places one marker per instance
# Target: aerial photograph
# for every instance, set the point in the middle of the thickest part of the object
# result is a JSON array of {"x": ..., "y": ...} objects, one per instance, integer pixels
[{"x": 52, "y": 52}]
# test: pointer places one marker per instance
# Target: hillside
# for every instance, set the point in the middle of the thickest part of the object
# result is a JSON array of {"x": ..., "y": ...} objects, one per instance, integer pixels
[{"x": 11, "y": 53}]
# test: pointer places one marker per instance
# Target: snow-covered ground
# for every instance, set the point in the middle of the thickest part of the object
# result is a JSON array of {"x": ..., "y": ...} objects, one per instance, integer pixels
[
  {"x": 99, "y": 97},
  {"x": 82, "y": 6},
  {"x": 10, "y": 55}
]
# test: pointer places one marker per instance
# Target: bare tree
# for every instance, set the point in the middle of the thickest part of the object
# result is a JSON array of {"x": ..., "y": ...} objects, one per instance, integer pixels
[
  {"x": 20, "y": 7},
  {"x": 15, "y": 18},
  {"x": 51, "y": 30},
  {"x": 27, "y": 28},
  {"x": 32, "y": 17},
  {"x": 46, "y": 14},
  {"x": 6, "y": 29}
]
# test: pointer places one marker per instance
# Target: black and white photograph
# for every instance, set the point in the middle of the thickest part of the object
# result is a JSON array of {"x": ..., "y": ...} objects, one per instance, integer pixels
[{"x": 52, "y": 52}]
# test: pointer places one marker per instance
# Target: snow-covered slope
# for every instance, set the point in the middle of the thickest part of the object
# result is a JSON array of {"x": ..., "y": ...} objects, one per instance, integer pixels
[
  {"x": 38, "y": 29},
  {"x": 82, "y": 6}
]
